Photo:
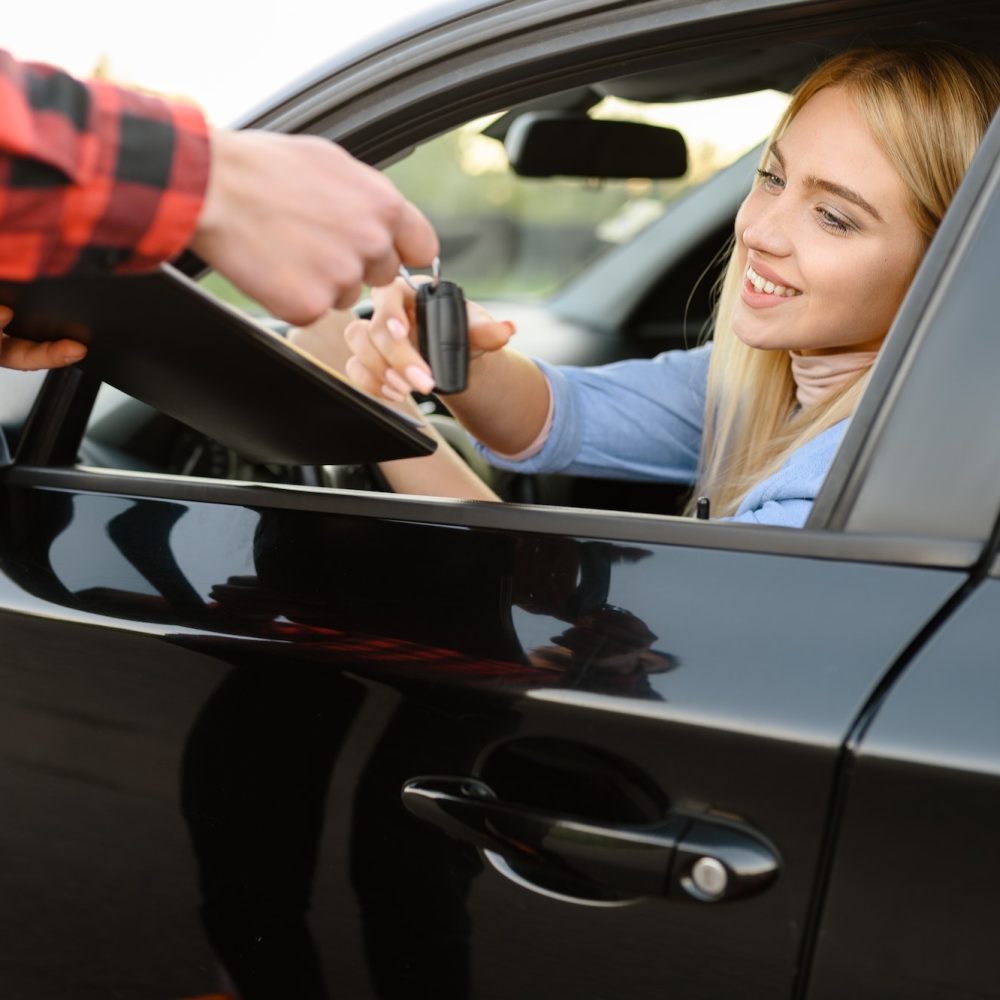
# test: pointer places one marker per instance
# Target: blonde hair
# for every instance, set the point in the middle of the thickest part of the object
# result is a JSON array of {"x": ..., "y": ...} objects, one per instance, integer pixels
[{"x": 927, "y": 107}]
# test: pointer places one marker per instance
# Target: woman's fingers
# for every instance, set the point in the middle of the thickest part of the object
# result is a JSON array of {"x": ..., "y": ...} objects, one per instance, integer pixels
[
  {"x": 396, "y": 381},
  {"x": 402, "y": 356},
  {"x": 489, "y": 335},
  {"x": 361, "y": 377},
  {"x": 376, "y": 352},
  {"x": 385, "y": 357},
  {"x": 394, "y": 305}
]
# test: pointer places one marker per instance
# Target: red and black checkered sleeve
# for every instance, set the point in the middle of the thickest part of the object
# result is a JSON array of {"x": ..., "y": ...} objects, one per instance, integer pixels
[{"x": 93, "y": 178}]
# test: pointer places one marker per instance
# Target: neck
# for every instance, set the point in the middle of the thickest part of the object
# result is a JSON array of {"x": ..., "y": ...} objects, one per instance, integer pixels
[{"x": 817, "y": 375}]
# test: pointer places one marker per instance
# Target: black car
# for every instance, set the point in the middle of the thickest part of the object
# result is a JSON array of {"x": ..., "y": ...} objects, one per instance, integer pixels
[{"x": 576, "y": 745}]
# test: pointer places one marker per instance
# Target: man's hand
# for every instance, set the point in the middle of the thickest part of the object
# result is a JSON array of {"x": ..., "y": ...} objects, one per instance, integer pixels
[
  {"x": 299, "y": 225},
  {"x": 27, "y": 356}
]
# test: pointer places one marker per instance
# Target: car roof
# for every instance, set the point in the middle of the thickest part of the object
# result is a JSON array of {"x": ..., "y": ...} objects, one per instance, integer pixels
[{"x": 798, "y": 36}]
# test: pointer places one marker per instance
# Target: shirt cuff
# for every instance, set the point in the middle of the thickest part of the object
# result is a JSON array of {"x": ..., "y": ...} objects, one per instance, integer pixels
[{"x": 561, "y": 443}]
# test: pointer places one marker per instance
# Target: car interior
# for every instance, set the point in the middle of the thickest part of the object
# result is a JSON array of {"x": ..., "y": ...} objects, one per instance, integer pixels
[{"x": 628, "y": 274}]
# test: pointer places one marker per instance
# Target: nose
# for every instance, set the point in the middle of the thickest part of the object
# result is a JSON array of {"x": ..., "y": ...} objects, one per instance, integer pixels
[{"x": 761, "y": 224}]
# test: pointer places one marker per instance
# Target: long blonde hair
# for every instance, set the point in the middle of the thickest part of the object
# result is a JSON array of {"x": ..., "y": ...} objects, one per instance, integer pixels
[{"x": 927, "y": 107}]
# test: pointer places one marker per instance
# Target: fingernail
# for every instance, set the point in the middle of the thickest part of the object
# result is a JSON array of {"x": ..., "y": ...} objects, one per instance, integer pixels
[
  {"x": 510, "y": 326},
  {"x": 390, "y": 393},
  {"x": 73, "y": 354},
  {"x": 396, "y": 329},
  {"x": 419, "y": 379}
]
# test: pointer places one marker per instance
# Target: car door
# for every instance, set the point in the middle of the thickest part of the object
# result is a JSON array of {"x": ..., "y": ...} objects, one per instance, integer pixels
[
  {"x": 215, "y": 696},
  {"x": 917, "y": 825}
]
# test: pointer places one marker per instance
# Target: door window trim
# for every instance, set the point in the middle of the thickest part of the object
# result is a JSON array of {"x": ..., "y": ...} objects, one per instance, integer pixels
[{"x": 927, "y": 552}]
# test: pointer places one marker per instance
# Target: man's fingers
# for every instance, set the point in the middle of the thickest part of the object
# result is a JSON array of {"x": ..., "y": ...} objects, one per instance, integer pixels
[
  {"x": 383, "y": 271},
  {"x": 347, "y": 297},
  {"x": 299, "y": 205},
  {"x": 29, "y": 356},
  {"x": 416, "y": 241}
]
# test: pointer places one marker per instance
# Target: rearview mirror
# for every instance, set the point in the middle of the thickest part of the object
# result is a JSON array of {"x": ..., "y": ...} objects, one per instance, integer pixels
[{"x": 567, "y": 144}]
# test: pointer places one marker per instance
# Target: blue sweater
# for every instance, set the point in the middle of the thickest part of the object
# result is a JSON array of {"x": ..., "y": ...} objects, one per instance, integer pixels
[{"x": 643, "y": 419}]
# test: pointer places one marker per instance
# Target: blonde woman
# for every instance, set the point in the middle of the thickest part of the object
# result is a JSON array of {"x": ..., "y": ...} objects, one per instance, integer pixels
[{"x": 852, "y": 187}]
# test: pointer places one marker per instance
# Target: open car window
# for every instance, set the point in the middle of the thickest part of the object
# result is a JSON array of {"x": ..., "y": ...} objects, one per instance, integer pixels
[{"x": 516, "y": 243}]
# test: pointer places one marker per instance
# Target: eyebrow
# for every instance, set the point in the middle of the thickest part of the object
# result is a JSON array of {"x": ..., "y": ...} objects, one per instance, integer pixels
[{"x": 838, "y": 189}]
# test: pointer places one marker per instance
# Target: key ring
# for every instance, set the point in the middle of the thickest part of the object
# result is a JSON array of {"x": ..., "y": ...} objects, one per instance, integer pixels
[{"x": 435, "y": 274}]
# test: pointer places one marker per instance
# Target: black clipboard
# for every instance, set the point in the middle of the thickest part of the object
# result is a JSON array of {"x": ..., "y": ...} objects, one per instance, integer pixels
[{"x": 162, "y": 339}]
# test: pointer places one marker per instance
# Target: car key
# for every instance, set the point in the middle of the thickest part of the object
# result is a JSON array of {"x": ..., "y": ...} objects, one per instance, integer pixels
[{"x": 443, "y": 332}]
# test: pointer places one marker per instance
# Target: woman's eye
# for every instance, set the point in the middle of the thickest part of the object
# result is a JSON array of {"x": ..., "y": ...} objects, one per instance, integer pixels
[
  {"x": 833, "y": 222},
  {"x": 769, "y": 180}
]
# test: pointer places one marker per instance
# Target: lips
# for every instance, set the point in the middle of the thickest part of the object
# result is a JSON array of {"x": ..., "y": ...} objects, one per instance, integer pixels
[{"x": 766, "y": 282}]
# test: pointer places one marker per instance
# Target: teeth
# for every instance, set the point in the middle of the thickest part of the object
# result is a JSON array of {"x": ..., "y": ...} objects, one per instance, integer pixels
[{"x": 768, "y": 287}]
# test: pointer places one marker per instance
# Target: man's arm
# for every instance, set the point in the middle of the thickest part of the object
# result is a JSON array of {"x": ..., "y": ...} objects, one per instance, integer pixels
[
  {"x": 94, "y": 178},
  {"x": 100, "y": 179}
]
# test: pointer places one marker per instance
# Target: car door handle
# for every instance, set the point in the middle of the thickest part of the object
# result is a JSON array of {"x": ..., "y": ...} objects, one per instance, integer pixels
[{"x": 685, "y": 855}]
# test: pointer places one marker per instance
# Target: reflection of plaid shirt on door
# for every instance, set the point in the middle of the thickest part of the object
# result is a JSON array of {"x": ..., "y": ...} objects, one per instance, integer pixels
[{"x": 93, "y": 178}]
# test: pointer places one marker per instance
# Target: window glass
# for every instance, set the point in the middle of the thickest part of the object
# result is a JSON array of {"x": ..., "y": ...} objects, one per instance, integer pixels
[
  {"x": 511, "y": 237},
  {"x": 505, "y": 236}
]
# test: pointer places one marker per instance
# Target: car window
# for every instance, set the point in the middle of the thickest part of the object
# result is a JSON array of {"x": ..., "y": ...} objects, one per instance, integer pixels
[
  {"x": 522, "y": 238},
  {"x": 504, "y": 238},
  {"x": 511, "y": 237}
]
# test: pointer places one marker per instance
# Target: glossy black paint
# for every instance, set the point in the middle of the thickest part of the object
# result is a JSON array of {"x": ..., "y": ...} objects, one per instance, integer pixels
[
  {"x": 296, "y": 686},
  {"x": 912, "y": 910}
]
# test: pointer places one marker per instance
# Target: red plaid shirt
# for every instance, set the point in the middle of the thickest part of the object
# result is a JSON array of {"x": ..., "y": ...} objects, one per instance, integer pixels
[{"x": 93, "y": 178}]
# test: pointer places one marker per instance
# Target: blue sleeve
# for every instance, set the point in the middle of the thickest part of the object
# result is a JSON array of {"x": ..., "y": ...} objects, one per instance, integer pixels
[
  {"x": 639, "y": 420},
  {"x": 786, "y": 498}
]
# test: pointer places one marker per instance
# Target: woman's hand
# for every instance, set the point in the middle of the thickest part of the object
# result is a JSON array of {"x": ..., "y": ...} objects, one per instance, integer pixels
[
  {"x": 385, "y": 360},
  {"x": 29, "y": 356}
]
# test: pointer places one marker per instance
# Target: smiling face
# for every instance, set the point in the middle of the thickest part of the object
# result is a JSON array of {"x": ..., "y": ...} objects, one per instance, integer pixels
[{"x": 824, "y": 240}]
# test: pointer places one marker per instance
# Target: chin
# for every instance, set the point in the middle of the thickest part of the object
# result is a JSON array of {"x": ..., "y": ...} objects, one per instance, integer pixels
[{"x": 752, "y": 335}]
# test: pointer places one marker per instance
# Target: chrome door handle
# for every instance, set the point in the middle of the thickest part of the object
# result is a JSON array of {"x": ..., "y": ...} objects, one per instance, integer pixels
[{"x": 690, "y": 856}]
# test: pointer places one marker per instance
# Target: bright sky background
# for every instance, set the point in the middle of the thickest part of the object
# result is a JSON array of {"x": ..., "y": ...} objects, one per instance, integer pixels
[
  {"x": 230, "y": 55},
  {"x": 226, "y": 55}
]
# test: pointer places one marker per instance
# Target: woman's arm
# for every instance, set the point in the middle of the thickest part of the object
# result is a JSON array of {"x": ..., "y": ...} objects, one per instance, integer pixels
[
  {"x": 507, "y": 399},
  {"x": 442, "y": 474}
]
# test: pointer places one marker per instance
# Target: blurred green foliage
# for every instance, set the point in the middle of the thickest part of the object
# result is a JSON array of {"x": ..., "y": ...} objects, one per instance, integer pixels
[{"x": 509, "y": 236}]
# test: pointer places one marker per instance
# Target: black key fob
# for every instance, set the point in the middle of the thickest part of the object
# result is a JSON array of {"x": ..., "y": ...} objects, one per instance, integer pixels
[{"x": 443, "y": 334}]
